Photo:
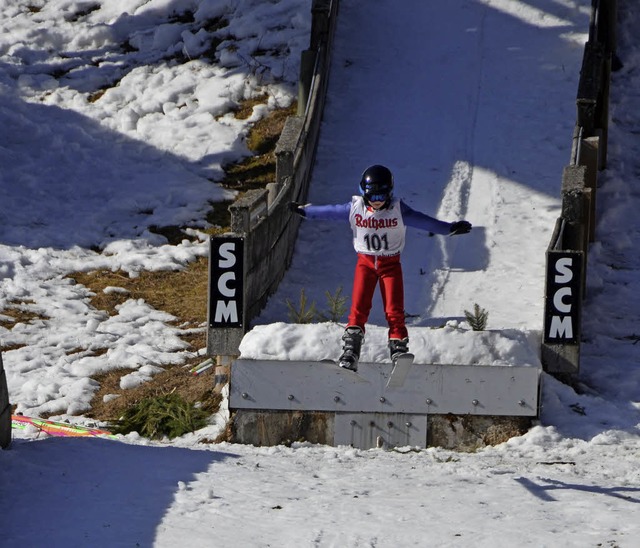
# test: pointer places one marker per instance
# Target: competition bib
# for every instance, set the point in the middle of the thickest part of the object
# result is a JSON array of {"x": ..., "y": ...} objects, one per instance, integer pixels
[{"x": 377, "y": 232}]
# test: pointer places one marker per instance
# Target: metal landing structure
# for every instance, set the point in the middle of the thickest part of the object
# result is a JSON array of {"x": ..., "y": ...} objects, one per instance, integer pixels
[{"x": 343, "y": 408}]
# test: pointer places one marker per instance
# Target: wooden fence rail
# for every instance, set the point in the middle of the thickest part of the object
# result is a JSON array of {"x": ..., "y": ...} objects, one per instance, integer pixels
[
  {"x": 575, "y": 229},
  {"x": 261, "y": 218}
]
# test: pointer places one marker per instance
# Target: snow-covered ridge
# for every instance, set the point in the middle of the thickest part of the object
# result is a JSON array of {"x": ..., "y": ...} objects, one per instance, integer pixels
[{"x": 453, "y": 344}]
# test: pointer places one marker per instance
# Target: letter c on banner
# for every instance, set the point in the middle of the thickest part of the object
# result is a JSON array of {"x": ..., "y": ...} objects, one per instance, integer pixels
[
  {"x": 558, "y": 302},
  {"x": 223, "y": 284}
]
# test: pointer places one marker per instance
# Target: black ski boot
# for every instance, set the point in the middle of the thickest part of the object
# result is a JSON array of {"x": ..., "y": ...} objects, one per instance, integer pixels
[
  {"x": 353, "y": 337},
  {"x": 398, "y": 347}
]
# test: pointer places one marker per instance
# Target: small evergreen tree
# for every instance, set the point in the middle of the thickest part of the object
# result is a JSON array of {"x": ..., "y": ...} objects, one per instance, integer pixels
[
  {"x": 337, "y": 306},
  {"x": 478, "y": 319},
  {"x": 155, "y": 417},
  {"x": 304, "y": 313}
]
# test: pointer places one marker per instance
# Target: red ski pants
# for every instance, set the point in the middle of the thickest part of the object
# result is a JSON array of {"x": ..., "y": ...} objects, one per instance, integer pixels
[{"x": 387, "y": 270}]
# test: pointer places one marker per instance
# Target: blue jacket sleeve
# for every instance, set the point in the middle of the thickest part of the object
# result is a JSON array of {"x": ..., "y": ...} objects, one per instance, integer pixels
[
  {"x": 338, "y": 212},
  {"x": 416, "y": 219}
]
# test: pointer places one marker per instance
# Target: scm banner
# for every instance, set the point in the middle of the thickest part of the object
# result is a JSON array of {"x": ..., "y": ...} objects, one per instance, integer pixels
[
  {"x": 226, "y": 277},
  {"x": 563, "y": 297}
]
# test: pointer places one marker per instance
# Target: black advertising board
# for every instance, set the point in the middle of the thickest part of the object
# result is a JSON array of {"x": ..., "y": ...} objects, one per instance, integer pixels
[
  {"x": 226, "y": 277},
  {"x": 562, "y": 297}
]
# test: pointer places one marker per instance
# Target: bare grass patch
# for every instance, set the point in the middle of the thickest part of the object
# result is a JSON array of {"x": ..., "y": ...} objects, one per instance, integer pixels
[{"x": 183, "y": 294}]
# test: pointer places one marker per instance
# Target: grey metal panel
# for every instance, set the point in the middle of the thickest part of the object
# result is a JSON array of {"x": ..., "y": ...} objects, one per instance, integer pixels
[
  {"x": 368, "y": 430},
  {"x": 318, "y": 386},
  {"x": 473, "y": 389}
]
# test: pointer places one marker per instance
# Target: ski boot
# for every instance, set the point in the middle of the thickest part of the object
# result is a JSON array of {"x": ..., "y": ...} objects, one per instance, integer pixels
[
  {"x": 353, "y": 337},
  {"x": 397, "y": 347}
]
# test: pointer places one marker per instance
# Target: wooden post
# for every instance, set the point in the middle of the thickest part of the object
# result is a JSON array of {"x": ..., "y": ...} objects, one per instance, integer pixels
[
  {"x": 307, "y": 65},
  {"x": 589, "y": 158},
  {"x": 286, "y": 149},
  {"x": 222, "y": 373},
  {"x": 320, "y": 11},
  {"x": 589, "y": 88},
  {"x": 575, "y": 210},
  {"x": 5, "y": 410},
  {"x": 226, "y": 304}
]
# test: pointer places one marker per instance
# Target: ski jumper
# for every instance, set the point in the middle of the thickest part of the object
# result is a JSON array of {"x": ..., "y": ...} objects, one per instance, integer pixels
[{"x": 378, "y": 238}]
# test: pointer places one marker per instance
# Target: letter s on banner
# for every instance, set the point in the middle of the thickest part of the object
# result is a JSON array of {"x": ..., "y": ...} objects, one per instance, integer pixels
[{"x": 226, "y": 277}]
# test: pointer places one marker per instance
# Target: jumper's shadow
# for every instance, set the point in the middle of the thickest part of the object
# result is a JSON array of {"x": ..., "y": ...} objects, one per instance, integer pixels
[{"x": 542, "y": 490}]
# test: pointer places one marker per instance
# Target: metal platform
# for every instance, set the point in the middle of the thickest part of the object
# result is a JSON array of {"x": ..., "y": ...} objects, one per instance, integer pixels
[
  {"x": 364, "y": 411},
  {"x": 319, "y": 386}
]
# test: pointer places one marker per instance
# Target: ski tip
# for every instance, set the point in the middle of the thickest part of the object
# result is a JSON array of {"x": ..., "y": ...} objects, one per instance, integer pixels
[{"x": 404, "y": 357}]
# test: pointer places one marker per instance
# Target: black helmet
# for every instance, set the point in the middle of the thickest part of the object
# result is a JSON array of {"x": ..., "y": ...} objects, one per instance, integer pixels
[{"x": 376, "y": 184}]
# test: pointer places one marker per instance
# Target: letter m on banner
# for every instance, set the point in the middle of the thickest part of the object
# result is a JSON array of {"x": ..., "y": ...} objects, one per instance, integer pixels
[
  {"x": 226, "y": 282},
  {"x": 563, "y": 298}
]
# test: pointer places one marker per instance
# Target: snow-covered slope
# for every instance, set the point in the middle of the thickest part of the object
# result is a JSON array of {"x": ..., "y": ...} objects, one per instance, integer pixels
[{"x": 471, "y": 103}]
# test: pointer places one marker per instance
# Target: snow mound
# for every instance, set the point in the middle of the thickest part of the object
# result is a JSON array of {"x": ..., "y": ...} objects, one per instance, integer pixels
[{"x": 453, "y": 344}]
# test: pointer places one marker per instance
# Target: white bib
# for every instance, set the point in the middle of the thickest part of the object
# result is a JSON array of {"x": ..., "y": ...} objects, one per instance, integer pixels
[{"x": 379, "y": 232}]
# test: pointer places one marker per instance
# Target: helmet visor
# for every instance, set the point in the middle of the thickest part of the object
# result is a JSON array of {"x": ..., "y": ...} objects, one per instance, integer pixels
[{"x": 380, "y": 197}]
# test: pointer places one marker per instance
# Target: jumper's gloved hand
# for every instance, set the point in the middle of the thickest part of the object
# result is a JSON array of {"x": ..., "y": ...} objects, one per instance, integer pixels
[
  {"x": 297, "y": 208},
  {"x": 460, "y": 227}
]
